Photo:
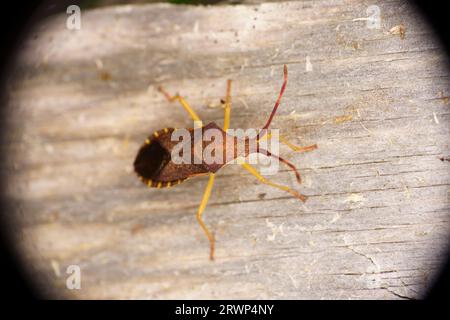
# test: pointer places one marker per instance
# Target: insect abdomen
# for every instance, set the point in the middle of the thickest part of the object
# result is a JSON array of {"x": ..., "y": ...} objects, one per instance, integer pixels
[{"x": 161, "y": 184}]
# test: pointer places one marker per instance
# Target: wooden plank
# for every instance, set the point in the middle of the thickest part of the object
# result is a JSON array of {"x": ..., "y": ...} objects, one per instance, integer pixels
[{"x": 377, "y": 220}]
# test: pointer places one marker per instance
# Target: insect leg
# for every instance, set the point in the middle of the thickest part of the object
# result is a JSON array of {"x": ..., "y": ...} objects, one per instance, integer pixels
[
  {"x": 291, "y": 146},
  {"x": 183, "y": 102},
  {"x": 286, "y": 162},
  {"x": 227, "y": 110},
  {"x": 299, "y": 149},
  {"x": 201, "y": 208},
  {"x": 254, "y": 172}
]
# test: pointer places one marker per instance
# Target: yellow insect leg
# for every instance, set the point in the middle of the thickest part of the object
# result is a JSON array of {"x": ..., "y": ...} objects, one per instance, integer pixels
[
  {"x": 292, "y": 146},
  {"x": 255, "y": 172},
  {"x": 227, "y": 110},
  {"x": 201, "y": 208},
  {"x": 183, "y": 102}
]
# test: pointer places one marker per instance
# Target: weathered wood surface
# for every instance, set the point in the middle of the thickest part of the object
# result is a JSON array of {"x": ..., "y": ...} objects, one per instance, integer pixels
[{"x": 377, "y": 219}]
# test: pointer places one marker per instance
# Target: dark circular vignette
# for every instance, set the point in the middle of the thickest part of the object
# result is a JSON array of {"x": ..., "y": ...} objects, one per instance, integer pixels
[
  {"x": 436, "y": 16},
  {"x": 16, "y": 19}
]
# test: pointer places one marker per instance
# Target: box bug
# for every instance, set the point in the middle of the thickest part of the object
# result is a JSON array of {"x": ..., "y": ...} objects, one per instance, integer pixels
[{"x": 154, "y": 165}]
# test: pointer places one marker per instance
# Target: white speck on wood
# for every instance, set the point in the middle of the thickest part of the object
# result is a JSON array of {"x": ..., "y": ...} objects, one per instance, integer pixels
[
  {"x": 436, "y": 120},
  {"x": 308, "y": 65}
]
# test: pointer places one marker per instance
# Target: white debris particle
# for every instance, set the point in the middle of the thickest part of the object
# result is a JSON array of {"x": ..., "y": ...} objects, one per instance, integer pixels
[
  {"x": 360, "y": 19},
  {"x": 336, "y": 217},
  {"x": 435, "y": 118},
  {"x": 196, "y": 26},
  {"x": 294, "y": 283},
  {"x": 308, "y": 66},
  {"x": 99, "y": 64},
  {"x": 49, "y": 148},
  {"x": 275, "y": 230},
  {"x": 354, "y": 197},
  {"x": 244, "y": 103},
  {"x": 277, "y": 51},
  {"x": 407, "y": 193},
  {"x": 55, "y": 267}
]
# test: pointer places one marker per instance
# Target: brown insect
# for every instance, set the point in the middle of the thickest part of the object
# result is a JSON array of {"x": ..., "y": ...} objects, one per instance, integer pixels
[{"x": 154, "y": 165}]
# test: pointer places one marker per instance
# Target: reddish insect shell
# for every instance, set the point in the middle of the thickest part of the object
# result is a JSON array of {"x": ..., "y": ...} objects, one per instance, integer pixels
[{"x": 153, "y": 163}]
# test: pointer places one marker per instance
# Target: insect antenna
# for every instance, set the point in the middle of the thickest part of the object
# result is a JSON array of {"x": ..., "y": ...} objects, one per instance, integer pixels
[
  {"x": 269, "y": 121},
  {"x": 277, "y": 103}
]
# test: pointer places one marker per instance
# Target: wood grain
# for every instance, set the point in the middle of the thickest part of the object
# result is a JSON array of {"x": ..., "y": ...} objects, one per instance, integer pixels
[{"x": 376, "y": 223}]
